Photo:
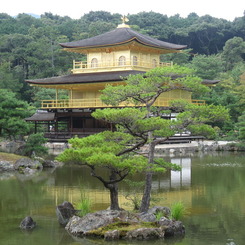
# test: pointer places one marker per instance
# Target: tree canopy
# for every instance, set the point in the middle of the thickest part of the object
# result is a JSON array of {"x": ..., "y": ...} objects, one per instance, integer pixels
[
  {"x": 12, "y": 114},
  {"x": 141, "y": 125}
]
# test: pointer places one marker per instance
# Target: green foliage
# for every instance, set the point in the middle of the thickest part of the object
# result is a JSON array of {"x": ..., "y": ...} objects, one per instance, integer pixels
[
  {"x": 204, "y": 114},
  {"x": 233, "y": 52},
  {"x": 159, "y": 215},
  {"x": 147, "y": 125},
  {"x": 123, "y": 227},
  {"x": 35, "y": 145},
  {"x": 205, "y": 130},
  {"x": 242, "y": 133},
  {"x": 240, "y": 127},
  {"x": 100, "y": 150},
  {"x": 177, "y": 210},
  {"x": 180, "y": 58},
  {"x": 8, "y": 78},
  {"x": 46, "y": 94},
  {"x": 134, "y": 194},
  {"x": 84, "y": 205},
  {"x": 112, "y": 151},
  {"x": 135, "y": 121},
  {"x": 144, "y": 89},
  {"x": 207, "y": 67},
  {"x": 12, "y": 114}
]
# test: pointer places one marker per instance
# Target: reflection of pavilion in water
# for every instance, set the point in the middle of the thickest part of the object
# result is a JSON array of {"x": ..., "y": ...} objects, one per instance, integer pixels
[
  {"x": 170, "y": 187},
  {"x": 176, "y": 179}
]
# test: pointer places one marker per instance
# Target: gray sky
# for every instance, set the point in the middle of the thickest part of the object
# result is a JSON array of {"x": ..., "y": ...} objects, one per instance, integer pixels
[{"x": 76, "y": 8}]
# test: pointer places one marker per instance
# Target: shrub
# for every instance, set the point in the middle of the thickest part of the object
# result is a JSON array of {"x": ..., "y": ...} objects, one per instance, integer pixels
[
  {"x": 35, "y": 145},
  {"x": 84, "y": 206},
  {"x": 177, "y": 211},
  {"x": 159, "y": 215}
]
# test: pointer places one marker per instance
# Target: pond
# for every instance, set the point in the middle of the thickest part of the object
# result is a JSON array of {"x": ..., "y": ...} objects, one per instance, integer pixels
[{"x": 211, "y": 186}]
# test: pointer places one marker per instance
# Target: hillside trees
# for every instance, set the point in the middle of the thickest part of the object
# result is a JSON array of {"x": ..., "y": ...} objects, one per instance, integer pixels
[
  {"x": 233, "y": 52},
  {"x": 207, "y": 67},
  {"x": 12, "y": 114}
]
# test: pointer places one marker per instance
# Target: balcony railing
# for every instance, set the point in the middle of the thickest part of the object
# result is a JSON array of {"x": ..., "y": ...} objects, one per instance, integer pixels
[
  {"x": 97, "y": 103},
  {"x": 83, "y": 66}
]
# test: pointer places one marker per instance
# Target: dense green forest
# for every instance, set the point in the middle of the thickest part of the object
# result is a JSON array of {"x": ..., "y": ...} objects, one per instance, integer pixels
[{"x": 29, "y": 48}]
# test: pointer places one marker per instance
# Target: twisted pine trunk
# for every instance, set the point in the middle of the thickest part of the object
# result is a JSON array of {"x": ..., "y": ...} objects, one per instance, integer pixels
[
  {"x": 114, "y": 196},
  {"x": 146, "y": 199},
  {"x": 113, "y": 188}
]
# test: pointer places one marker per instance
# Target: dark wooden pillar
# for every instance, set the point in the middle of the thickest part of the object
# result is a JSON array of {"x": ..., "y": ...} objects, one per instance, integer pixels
[{"x": 35, "y": 130}]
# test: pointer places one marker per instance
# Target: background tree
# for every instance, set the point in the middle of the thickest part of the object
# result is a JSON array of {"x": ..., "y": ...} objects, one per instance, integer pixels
[
  {"x": 207, "y": 67},
  {"x": 233, "y": 52},
  {"x": 240, "y": 126},
  {"x": 35, "y": 145},
  {"x": 12, "y": 114}
]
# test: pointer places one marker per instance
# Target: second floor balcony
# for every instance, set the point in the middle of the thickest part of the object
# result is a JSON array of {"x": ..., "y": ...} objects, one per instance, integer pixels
[
  {"x": 113, "y": 65},
  {"x": 97, "y": 103}
]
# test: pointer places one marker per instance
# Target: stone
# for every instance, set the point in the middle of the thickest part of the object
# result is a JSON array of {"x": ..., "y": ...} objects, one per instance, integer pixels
[
  {"x": 23, "y": 163},
  {"x": 90, "y": 225},
  {"x": 27, "y": 223},
  {"x": 164, "y": 221},
  {"x": 64, "y": 212},
  {"x": 79, "y": 226},
  {"x": 48, "y": 163},
  {"x": 157, "y": 209},
  {"x": 112, "y": 235},
  {"x": 145, "y": 234},
  {"x": 6, "y": 166},
  {"x": 147, "y": 217},
  {"x": 172, "y": 227},
  {"x": 29, "y": 171}
]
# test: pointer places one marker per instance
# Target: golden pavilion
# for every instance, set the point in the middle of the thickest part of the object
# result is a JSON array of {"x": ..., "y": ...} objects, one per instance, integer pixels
[{"x": 111, "y": 57}]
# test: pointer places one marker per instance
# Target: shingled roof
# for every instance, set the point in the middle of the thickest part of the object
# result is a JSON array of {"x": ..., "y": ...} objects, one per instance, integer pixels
[
  {"x": 96, "y": 77},
  {"x": 121, "y": 36},
  {"x": 41, "y": 116},
  {"x": 84, "y": 78}
]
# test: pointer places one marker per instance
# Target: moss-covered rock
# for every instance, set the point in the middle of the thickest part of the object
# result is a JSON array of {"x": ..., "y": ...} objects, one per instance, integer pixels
[{"x": 113, "y": 225}]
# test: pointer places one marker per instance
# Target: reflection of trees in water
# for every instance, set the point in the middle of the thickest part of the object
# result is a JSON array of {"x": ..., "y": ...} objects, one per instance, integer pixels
[
  {"x": 223, "y": 177},
  {"x": 21, "y": 194}
]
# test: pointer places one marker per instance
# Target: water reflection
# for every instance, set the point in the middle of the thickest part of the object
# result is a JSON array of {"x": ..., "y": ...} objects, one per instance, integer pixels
[
  {"x": 211, "y": 186},
  {"x": 181, "y": 178}
]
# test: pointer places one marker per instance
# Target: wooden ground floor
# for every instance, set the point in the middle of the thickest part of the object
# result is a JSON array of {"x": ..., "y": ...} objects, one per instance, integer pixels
[{"x": 61, "y": 126}]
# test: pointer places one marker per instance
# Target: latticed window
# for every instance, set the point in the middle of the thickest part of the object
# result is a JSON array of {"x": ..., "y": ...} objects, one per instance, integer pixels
[
  {"x": 94, "y": 63},
  {"x": 135, "y": 60},
  {"x": 122, "y": 61},
  {"x": 154, "y": 63}
]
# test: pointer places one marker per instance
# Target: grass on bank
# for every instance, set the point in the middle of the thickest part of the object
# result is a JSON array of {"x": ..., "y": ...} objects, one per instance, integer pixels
[{"x": 10, "y": 157}]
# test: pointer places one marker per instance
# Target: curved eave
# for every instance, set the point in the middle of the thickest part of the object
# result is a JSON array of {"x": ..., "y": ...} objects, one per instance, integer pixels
[
  {"x": 159, "y": 49},
  {"x": 120, "y": 36},
  {"x": 99, "y": 77}
]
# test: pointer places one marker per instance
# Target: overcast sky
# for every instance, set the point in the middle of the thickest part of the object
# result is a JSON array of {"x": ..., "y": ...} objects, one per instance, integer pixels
[{"x": 77, "y": 8}]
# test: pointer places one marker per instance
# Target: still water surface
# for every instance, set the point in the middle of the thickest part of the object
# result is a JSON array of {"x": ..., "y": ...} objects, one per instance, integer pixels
[{"x": 212, "y": 187}]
